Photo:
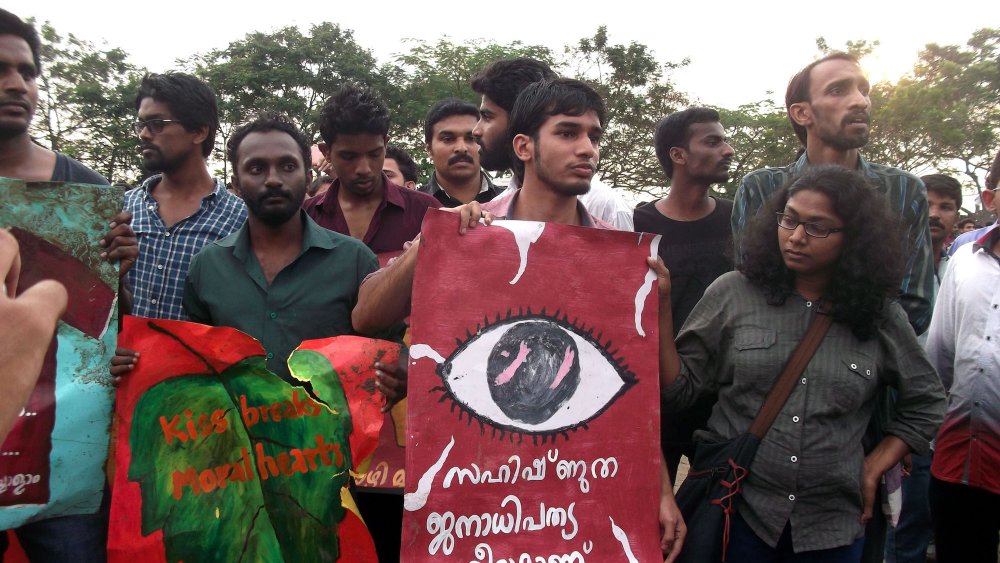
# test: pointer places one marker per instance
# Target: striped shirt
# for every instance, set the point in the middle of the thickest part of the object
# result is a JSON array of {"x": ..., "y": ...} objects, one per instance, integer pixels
[
  {"x": 157, "y": 278},
  {"x": 964, "y": 345},
  {"x": 808, "y": 468},
  {"x": 907, "y": 197}
]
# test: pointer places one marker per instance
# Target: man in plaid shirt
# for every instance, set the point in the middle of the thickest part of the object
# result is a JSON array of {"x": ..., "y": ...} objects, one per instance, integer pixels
[{"x": 178, "y": 211}]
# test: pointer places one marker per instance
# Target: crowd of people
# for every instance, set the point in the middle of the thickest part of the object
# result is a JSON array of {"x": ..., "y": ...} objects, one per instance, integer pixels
[{"x": 907, "y": 380}]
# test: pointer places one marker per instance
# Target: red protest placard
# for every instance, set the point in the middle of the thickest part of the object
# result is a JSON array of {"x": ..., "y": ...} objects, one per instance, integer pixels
[
  {"x": 219, "y": 459},
  {"x": 533, "y": 426}
]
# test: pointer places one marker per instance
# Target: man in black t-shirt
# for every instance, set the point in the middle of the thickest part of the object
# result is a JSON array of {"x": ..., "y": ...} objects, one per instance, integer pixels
[
  {"x": 696, "y": 245},
  {"x": 79, "y": 538}
]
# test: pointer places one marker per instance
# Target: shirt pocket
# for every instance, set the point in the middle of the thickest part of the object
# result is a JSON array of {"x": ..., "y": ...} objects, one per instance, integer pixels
[
  {"x": 754, "y": 358},
  {"x": 854, "y": 381}
]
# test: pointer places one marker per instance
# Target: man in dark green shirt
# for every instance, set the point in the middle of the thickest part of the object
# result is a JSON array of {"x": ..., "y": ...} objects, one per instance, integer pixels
[{"x": 280, "y": 278}]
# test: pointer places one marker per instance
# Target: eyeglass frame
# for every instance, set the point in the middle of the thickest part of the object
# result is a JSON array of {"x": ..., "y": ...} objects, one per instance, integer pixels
[
  {"x": 156, "y": 129},
  {"x": 807, "y": 225}
]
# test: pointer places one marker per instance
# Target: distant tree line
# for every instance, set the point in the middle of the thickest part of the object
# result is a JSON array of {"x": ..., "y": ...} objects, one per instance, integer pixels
[{"x": 943, "y": 115}]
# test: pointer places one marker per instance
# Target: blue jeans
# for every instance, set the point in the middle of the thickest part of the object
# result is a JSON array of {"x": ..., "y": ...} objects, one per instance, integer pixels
[
  {"x": 81, "y": 538},
  {"x": 744, "y": 545},
  {"x": 907, "y": 542}
]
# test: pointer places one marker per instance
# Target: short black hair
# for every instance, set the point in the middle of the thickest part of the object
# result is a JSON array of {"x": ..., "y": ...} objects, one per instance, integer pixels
[
  {"x": 351, "y": 111},
  {"x": 799, "y": 85},
  {"x": 190, "y": 100},
  {"x": 10, "y": 24},
  {"x": 674, "y": 130},
  {"x": 501, "y": 81},
  {"x": 266, "y": 123},
  {"x": 967, "y": 221},
  {"x": 444, "y": 109},
  {"x": 945, "y": 186},
  {"x": 407, "y": 167},
  {"x": 541, "y": 100}
]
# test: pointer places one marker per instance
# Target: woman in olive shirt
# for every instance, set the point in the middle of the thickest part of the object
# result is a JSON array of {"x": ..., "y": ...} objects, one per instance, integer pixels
[{"x": 826, "y": 241}]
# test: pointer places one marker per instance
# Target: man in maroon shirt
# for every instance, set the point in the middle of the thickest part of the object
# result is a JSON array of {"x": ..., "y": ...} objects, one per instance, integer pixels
[{"x": 362, "y": 202}]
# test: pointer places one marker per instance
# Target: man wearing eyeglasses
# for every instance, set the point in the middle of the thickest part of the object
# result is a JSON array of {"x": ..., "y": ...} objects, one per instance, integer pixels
[
  {"x": 830, "y": 110},
  {"x": 182, "y": 208}
]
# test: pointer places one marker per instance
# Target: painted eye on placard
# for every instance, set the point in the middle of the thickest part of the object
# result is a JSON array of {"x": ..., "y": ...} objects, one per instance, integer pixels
[{"x": 533, "y": 374}]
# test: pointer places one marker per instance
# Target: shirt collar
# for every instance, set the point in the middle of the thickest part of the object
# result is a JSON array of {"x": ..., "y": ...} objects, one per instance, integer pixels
[
  {"x": 503, "y": 208},
  {"x": 484, "y": 184},
  {"x": 150, "y": 184},
  {"x": 803, "y": 162},
  {"x": 392, "y": 194},
  {"x": 988, "y": 239},
  {"x": 312, "y": 236}
]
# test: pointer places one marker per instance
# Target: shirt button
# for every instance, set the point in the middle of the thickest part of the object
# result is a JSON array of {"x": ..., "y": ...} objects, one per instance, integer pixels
[
  {"x": 274, "y": 315},
  {"x": 854, "y": 366},
  {"x": 270, "y": 355},
  {"x": 791, "y": 497},
  {"x": 159, "y": 266},
  {"x": 794, "y": 459},
  {"x": 151, "y": 207},
  {"x": 868, "y": 372},
  {"x": 803, "y": 381},
  {"x": 153, "y": 301},
  {"x": 809, "y": 303},
  {"x": 168, "y": 234},
  {"x": 795, "y": 419}
]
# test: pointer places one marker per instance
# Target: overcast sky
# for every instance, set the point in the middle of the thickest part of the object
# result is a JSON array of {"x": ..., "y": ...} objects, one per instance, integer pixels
[{"x": 739, "y": 50}]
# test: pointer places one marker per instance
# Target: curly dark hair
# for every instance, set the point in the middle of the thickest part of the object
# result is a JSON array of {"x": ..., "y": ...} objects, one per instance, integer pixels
[
  {"x": 871, "y": 262},
  {"x": 353, "y": 110}
]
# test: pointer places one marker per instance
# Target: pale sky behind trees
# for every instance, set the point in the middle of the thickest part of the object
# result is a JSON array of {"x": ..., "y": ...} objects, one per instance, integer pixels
[{"x": 739, "y": 50}]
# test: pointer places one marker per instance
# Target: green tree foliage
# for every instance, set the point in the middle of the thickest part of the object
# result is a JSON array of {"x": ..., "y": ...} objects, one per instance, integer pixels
[
  {"x": 429, "y": 72},
  {"x": 761, "y": 135},
  {"x": 945, "y": 115},
  {"x": 86, "y": 104},
  {"x": 284, "y": 71},
  {"x": 638, "y": 93}
]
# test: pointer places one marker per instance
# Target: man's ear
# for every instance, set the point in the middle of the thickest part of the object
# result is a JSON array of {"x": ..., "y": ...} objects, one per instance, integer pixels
[
  {"x": 989, "y": 198},
  {"x": 309, "y": 177},
  {"x": 410, "y": 184},
  {"x": 427, "y": 149},
  {"x": 678, "y": 156},
  {"x": 524, "y": 147},
  {"x": 801, "y": 113},
  {"x": 201, "y": 135},
  {"x": 234, "y": 181},
  {"x": 323, "y": 150}
]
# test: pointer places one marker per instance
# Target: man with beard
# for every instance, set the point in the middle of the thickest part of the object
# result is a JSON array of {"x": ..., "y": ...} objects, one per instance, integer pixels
[
  {"x": 362, "y": 202},
  {"x": 499, "y": 84},
  {"x": 696, "y": 245},
  {"x": 457, "y": 178},
  {"x": 829, "y": 107},
  {"x": 77, "y": 537},
  {"x": 263, "y": 278},
  {"x": 182, "y": 208}
]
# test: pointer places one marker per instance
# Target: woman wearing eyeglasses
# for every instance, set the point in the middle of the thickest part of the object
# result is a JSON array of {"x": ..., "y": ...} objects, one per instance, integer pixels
[{"x": 826, "y": 244}]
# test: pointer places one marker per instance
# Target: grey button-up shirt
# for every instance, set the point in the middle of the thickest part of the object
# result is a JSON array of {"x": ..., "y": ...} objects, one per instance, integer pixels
[{"x": 808, "y": 469}]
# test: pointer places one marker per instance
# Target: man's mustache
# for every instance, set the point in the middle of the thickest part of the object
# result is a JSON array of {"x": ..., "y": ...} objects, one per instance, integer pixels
[
  {"x": 935, "y": 223},
  {"x": 461, "y": 157}
]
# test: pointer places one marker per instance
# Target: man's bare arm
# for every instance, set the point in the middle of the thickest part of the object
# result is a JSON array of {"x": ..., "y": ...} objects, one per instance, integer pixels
[{"x": 384, "y": 297}]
